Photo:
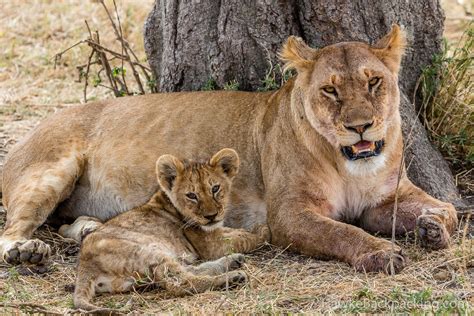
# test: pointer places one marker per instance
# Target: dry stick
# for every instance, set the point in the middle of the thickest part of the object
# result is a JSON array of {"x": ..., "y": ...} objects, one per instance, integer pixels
[
  {"x": 58, "y": 56},
  {"x": 86, "y": 76},
  {"x": 125, "y": 44},
  {"x": 88, "y": 66},
  {"x": 122, "y": 46},
  {"x": 106, "y": 65},
  {"x": 406, "y": 145},
  {"x": 101, "y": 51}
]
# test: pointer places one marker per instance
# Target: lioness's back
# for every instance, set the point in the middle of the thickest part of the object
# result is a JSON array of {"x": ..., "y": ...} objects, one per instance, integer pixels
[{"x": 131, "y": 132}]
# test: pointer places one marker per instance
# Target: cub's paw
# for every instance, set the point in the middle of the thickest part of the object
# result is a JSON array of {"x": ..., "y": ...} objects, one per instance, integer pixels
[
  {"x": 234, "y": 261},
  {"x": 263, "y": 232},
  {"x": 379, "y": 260},
  {"x": 236, "y": 278},
  {"x": 432, "y": 232},
  {"x": 32, "y": 251}
]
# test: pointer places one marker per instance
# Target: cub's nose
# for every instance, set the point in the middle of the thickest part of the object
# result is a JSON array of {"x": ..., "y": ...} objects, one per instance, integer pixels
[
  {"x": 359, "y": 129},
  {"x": 211, "y": 217}
]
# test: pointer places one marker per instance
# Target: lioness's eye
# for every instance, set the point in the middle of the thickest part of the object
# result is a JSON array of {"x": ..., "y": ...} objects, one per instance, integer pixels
[
  {"x": 191, "y": 196},
  {"x": 215, "y": 189},
  {"x": 373, "y": 82},
  {"x": 330, "y": 90}
]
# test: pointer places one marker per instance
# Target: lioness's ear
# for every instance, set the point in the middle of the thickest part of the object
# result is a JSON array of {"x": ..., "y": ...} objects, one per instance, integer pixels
[
  {"x": 228, "y": 160},
  {"x": 390, "y": 48},
  {"x": 296, "y": 54},
  {"x": 167, "y": 169}
]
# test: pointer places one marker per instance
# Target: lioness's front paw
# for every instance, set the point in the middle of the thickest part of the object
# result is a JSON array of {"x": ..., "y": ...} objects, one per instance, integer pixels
[
  {"x": 379, "y": 260},
  {"x": 32, "y": 251},
  {"x": 432, "y": 232}
]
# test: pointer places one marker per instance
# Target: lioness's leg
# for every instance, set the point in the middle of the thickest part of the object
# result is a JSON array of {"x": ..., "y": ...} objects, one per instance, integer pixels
[
  {"x": 175, "y": 278},
  {"x": 303, "y": 228},
  {"x": 31, "y": 198},
  {"x": 223, "y": 241},
  {"x": 434, "y": 220}
]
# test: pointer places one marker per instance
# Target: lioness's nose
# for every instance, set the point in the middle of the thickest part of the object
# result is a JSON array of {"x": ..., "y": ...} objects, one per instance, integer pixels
[
  {"x": 359, "y": 128},
  {"x": 211, "y": 217}
]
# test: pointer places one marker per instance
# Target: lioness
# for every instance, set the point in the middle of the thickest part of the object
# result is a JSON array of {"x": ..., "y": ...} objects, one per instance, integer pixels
[
  {"x": 321, "y": 152},
  {"x": 159, "y": 240}
]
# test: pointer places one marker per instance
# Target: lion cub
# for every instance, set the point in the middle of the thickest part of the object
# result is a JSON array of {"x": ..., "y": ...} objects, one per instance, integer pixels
[{"x": 161, "y": 239}]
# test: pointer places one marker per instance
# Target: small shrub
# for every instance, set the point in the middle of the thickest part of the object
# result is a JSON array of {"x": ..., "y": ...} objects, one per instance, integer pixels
[
  {"x": 448, "y": 102},
  {"x": 210, "y": 85},
  {"x": 232, "y": 85}
]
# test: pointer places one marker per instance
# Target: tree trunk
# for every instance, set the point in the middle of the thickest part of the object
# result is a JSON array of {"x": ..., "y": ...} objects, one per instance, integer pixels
[{"x": 190, "y": 42}]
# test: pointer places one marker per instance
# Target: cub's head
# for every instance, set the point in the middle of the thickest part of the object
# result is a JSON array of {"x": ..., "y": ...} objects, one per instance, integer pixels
[
  {"x": 199, "y": 190},
  {"x": 349, "y": 94}
]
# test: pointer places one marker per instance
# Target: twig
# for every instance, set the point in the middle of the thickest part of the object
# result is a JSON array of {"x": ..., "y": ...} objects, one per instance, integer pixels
[
  {"x": 58, "y": 56},
  {"x": 407, "y": 143},
  {"x": 118, "y": 82},
  {"x": 124, "y": 44},
  {"x": 106, "y": 65},
  {"x": 123, "y": 48},
  {"x": 86, "y": 76}
]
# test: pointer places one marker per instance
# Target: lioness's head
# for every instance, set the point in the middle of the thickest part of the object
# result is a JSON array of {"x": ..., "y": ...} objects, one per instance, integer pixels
[
  {"x": 199, "y": 190},
  {"x": 349, "y": 94}
]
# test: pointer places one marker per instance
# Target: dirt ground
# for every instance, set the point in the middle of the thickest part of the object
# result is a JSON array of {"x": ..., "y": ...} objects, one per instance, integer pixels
[{"x": 31, "y": 32}]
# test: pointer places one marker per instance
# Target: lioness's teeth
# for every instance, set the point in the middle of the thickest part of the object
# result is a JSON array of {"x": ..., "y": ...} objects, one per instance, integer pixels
[
  {"x": 354, "y": 149},
  {"x": 372, "y": 146}
]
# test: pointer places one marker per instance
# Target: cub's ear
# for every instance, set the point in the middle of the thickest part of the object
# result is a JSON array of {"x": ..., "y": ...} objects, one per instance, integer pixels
[
  {"x": 390, "y": 48},
  {"x": 228, "y": 160},
  {"x": 168, "y": 167},
  {"x": 296, "y": 54}
]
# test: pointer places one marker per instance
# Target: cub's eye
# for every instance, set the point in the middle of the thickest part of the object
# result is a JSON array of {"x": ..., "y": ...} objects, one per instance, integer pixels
[
  {"x": 191, "y": 196},
  {"x": 373, "y": 82},
  {"x": 330, "y": 90},
  {"x": 215, "y": 189}
]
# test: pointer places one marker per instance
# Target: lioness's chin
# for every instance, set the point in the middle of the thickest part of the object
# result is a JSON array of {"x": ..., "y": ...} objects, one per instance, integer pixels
[
  {"x": 366, "y": 166},
  {"x": 211, "y": 227}
]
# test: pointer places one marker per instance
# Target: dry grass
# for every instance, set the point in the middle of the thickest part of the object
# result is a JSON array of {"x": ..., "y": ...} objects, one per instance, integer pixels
[
  {"x": 439, "y": 281},
  {"x": 31, "y": 32},
  {"x": 447, "y": 87}
]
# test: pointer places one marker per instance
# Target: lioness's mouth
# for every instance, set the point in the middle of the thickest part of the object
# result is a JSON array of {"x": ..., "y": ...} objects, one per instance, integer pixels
[{"x": 363, "y": 149}]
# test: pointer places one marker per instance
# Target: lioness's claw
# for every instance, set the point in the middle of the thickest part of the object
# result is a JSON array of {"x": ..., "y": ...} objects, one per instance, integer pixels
[
  {"x": 432, "y": 232},
  {"x": 29, "y": 251},
  {"x": 380, "y": 260}
]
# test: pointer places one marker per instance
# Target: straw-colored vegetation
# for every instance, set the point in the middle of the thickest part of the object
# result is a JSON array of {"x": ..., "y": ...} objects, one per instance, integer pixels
[
  {"x": 31, "y": 33},
  {"x": 448, "y": 106}
]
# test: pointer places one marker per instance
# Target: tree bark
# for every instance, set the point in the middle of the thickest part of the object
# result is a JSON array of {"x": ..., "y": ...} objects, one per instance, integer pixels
[{"x": 191, "y": 42}]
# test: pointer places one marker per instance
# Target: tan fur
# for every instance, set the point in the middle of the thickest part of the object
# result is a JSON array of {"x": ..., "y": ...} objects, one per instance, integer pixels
[
  {"x": 289, "y": 143},
  {"x": 158, "y": 241}
]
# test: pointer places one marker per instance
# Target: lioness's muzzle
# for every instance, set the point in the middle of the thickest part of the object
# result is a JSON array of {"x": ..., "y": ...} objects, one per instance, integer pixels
[{"x": 363, "y": 149}]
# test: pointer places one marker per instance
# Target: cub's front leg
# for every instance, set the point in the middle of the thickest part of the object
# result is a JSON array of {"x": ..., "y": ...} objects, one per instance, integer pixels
[
  {"x": 224, "y": 240},
  {"x": 433, "y": 220}
]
